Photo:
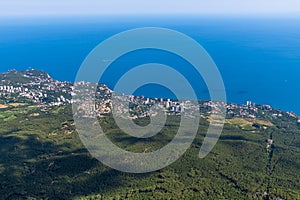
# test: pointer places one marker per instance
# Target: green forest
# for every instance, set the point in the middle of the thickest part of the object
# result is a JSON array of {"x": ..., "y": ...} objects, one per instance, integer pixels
[{"x": 42, "y": 157}]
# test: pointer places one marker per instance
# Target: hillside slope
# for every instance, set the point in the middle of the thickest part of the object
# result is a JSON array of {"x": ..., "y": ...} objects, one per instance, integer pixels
[{"x": 42, "y": 157}]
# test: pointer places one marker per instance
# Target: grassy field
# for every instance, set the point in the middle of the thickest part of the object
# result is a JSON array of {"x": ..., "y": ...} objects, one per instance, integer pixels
[
  {"x": 3, "y": 106},
  {"x": 249, "y": 123}
]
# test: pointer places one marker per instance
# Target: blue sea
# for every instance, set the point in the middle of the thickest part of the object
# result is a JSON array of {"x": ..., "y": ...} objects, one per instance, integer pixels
[{"x": 258, "y": 58}]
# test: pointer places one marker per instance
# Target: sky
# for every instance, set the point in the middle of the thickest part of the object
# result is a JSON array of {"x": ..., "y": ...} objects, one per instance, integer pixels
[{"x": 154, "y": 7}]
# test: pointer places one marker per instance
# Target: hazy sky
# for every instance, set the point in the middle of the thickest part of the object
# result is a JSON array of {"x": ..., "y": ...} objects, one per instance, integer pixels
[{"x": 92, "y": 7}]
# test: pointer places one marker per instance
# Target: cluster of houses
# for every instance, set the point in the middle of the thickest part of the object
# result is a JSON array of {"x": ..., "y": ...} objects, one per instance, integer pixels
[
  {"x": 248, "y": 110},
  {"x": 40, "y": 88},
  {"x": 5, "y": 89},
  {"x": 91, "y": 98},
  {"x": 34, "y": 86}
]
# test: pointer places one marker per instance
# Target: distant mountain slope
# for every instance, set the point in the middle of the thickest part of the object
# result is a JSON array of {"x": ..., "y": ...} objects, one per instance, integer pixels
[{"x": 27, "y": 76}]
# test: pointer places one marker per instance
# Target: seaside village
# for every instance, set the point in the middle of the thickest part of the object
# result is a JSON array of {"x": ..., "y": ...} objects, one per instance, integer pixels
[{"x": 37, "y": 87}]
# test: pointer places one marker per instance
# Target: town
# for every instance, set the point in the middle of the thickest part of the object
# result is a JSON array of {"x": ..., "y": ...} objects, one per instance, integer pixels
[{"x": 37, "y": 87}]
